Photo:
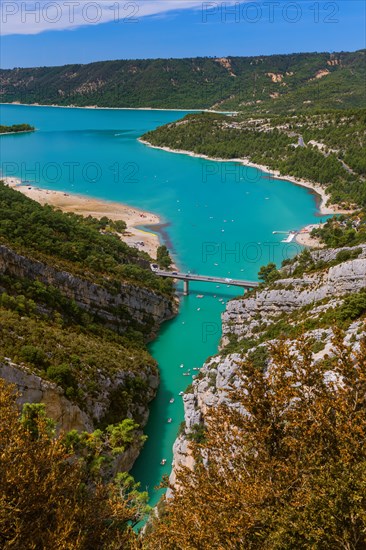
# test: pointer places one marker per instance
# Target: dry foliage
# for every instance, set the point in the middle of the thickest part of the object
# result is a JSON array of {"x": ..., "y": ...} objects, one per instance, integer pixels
[
  {"x": 289, "y": 475},
  {"x": 46, "y": 498}
]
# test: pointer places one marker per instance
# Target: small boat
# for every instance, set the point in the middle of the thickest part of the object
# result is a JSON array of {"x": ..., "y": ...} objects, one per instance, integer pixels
[
  {"x": 170, "y": 420},
  {"x": 186, "y": 374},
  {"x": 181, "y": 366},
  {"x": 171, "y": 400},
  {"x": 181, "y": 393},
  {"x": 163, "y": 462}
]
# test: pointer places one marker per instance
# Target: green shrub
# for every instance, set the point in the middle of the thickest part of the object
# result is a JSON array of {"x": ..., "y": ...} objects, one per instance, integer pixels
[{"x": 34, "y": 355}]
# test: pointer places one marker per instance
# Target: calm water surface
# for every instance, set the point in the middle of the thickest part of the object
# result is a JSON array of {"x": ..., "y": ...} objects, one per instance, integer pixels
[{"x": 219, "y": 221}]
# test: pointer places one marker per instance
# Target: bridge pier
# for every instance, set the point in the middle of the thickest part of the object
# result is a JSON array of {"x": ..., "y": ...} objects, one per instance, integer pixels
[{"x": 185, "y": 288}]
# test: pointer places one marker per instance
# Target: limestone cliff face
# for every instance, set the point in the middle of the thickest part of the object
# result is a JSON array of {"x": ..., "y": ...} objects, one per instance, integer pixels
[
  {"x": 247, "y": 317},
  {"x": 33, "y": 389},
  {"x": 140, "y": 305},
  {"x": 67, "y": 415},
  {"x": 243, "y": 317}
]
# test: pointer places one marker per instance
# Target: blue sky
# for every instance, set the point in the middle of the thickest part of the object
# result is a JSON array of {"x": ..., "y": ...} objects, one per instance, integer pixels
[{"x": 68, "y": 31}]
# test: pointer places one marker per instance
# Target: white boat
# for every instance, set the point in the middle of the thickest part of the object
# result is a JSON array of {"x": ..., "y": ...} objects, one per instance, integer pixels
[
  {"x": 170, "y": 420},
  {"x": 163, "y": 462},
  {"x": 181, "y": 393},
  {"x": 171, "y": 400}
]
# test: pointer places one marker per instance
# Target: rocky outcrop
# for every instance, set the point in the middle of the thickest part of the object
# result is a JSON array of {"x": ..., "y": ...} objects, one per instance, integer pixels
[
  {"x": 33, "y": 389},
  {"x": 128, "y": 304},
  {"x": 70, "y": 416},
  {"x": 243, "y": 317}
]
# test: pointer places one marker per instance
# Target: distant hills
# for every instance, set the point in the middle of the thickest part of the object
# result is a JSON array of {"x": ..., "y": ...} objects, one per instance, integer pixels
[{"x": 280, "y": 83}]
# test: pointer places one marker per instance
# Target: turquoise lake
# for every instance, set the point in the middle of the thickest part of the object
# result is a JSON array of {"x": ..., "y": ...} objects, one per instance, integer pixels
[{"x": 218, "y": 220}]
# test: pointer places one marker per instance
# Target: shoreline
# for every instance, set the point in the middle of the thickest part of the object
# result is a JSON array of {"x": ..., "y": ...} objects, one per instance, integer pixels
[
  {"x": 98, "y": 208},
  {"x": 303, "y": 237},
  {"x": 320, "y": 193},
  {"x": 14, "y": 133},
  {"x": 95, "y": 107}
]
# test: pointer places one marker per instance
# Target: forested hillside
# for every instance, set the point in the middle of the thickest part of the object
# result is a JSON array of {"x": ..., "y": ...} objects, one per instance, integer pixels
[{"x": 279, "y": 82}]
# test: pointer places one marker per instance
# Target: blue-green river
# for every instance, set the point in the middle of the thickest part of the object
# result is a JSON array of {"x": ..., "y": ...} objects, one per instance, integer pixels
[{"x": 218, "y": 220}]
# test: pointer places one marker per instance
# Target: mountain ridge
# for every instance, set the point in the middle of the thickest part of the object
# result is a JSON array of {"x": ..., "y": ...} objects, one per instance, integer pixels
[{"x": 303, "y": 80}]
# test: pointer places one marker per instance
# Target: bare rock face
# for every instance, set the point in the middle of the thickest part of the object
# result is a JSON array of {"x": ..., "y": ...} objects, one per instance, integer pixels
[
  {"x": 243, "y": 316},
  {"x": 140, "y": 305},
  {"x": 33, "y": 389}
]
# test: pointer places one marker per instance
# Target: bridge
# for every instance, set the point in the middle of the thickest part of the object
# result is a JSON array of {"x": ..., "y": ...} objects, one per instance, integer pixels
[{"x": 187, "y": 277}]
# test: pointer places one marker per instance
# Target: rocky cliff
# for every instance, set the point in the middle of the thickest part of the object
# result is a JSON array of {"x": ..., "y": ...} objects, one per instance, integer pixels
[
  {"x": 33, "y": 389},
  {"x": 68, "y": 415},
  {"x": 251, "y": 323},
  {"x": 122, "y": 307}
]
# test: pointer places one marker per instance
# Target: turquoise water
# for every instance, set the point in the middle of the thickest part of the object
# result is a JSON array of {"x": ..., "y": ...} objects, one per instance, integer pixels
[{"x": 219, "y": 221}]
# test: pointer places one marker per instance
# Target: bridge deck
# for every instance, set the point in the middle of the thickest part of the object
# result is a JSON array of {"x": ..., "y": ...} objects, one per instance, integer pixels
[{"x": 207, "y": 279}]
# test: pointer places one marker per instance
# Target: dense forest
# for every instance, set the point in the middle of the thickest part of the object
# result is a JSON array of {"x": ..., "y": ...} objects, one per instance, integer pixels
[
  {"x": 331, "y": 151},
  {"x": 280, "y": 82},
  {"x": 16, "y": 128}
]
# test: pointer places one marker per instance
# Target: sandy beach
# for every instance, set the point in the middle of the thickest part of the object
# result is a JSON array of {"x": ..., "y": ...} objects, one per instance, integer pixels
[
  {"x": 304, "y": 238},
  {"x": 324, "y": 208},
  {"x": 85, "y": 206}
]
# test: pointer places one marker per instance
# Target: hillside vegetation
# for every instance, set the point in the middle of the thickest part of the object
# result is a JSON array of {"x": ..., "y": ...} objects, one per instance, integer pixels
[
  {"x": 271, "y": 451},
  {"x": 279, "y": 83},
  {"x": 50, "y": 498}
]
